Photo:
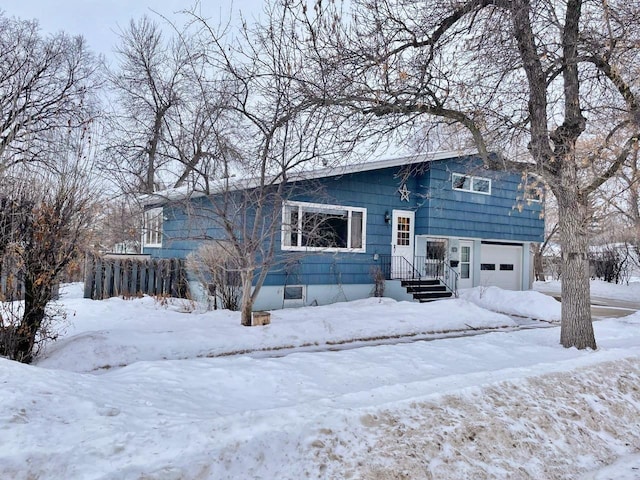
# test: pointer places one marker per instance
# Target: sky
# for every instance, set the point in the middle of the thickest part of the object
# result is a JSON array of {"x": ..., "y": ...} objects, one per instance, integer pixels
[{"x": 100, "y": 20}]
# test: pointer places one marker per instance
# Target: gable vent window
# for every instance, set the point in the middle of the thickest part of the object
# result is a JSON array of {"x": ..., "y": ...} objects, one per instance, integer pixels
[
  {"x": 469, "y": 183},
  {"x": 152, "y": 233},
  {"x": 317, "y": 227}
]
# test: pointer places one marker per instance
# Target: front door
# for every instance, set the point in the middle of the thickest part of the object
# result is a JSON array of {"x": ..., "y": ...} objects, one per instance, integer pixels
[
  {"x": 402, "y": 244},
  {"x": 466, "y": 265}
]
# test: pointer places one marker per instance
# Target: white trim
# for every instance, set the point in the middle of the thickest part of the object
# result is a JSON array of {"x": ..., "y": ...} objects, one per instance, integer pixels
[
  {"x": 472, "y": 180},
  {"x": 294, "y": 301},
  {"x": 156, "y": 233},
  {"x": 465, "y": 282},
  {"x": 286, "y": 227},
  {"x": 405, "y": 251}
]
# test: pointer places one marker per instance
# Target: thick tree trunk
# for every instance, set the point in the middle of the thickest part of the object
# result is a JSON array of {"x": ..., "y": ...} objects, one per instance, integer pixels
[
  {"x": 577, "y": 329},
  {"x": 246, "y": 303}
]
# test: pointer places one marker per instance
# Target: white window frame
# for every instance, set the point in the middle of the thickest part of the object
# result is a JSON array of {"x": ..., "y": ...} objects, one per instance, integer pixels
[
  {"x": 152, "y": 230},
  {"x": 295, "y": 301},
  {"x": 287, "y": 229},
  {"x": 472, "y": 180}
]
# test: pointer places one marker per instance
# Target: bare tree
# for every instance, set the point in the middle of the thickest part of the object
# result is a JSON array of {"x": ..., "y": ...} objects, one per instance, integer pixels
[
  {"x": 46, "y": 84},
  {"x": 258, "y": 132},
  {"x": 118, "y": 225},
  {"x": 147, "y": 84},
  {"x": 621, "y": 204},
  {"x": 47, "y": 103},
  {"x": 45, "y": 221},
  {"x": 166, "y": 128},
  {"x": 526, "y": 80}
]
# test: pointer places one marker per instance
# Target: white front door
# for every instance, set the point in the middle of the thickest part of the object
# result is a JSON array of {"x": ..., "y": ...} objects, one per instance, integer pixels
[
  {"x": 466, "y": 265},
  {"x": 402, "y": 244}
]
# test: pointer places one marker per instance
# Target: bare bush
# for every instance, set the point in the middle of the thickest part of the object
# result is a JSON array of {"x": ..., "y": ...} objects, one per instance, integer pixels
[
  {"x": 610, "y": 263},
  {"x": 44, "y": 228},
  {"x": 215, "y": 268}
]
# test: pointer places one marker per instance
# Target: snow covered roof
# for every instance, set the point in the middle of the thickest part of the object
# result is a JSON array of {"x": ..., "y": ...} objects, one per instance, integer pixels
[{"x": 181, "y": 193}]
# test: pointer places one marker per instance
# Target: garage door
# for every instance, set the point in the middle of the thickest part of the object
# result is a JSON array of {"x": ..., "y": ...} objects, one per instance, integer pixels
[{"x": 501, "y": 266}]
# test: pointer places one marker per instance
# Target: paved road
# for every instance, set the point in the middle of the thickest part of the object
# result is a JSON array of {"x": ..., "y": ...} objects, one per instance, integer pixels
[{"x": 602, "y": 307}]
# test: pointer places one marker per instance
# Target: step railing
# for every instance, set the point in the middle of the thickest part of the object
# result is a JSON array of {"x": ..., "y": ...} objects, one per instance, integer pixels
[
  {"x": 396, "y": 267},
  {"x": 399, "y": 268}
]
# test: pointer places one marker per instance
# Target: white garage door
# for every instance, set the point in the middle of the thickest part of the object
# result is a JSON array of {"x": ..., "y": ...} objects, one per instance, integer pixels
[{"x": 501, "y": 266}]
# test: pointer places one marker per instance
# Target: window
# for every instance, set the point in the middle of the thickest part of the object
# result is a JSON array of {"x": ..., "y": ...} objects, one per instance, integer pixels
[
  {"x": 436, "y": 250},
  {"x": 152, "y": 232},
  {"x": 506, "y": 266},
  {"x": 311, "y": 226},
  {"x": 465, "y": 262},
  {"x": 293, "y": 293},
  {"x": 487, "y": 266},
  {"x": 468, "y": 183},
  {"x": 404, "y": 232}
]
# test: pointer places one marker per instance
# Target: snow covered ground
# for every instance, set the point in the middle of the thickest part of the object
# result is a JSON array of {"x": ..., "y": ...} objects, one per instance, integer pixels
[
  {"x": 140, "y": 390},
  {"x": 599, "y": 289}
]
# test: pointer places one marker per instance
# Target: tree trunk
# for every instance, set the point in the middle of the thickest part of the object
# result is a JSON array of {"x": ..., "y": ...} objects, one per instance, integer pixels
[
  {"x": 576, "y": 329},
  {"x": 538, "y": 264},
  {"x": 36, "y": 298},
  {"x": 246, "y": 303}
]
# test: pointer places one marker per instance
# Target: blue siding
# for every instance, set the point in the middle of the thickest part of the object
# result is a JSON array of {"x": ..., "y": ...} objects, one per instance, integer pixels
[
  {"x": 377, "y": 191},
  {"x": 499, "y": 216},
  {"x": 439, "y": 210}
]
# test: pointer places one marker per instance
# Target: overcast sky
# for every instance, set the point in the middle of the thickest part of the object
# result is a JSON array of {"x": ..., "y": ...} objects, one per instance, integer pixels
[{"x": 99, "y": 20}]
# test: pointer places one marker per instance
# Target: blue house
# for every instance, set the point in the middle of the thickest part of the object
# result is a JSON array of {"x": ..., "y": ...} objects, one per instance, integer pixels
[{"x": 423, "y": 226}]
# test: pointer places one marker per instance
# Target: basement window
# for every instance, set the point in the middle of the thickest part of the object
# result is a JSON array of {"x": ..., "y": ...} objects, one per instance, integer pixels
[{"x": 295, "y": 292}]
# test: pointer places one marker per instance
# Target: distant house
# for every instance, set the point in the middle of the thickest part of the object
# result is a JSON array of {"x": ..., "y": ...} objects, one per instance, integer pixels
[{"x": 428, "y": 225}]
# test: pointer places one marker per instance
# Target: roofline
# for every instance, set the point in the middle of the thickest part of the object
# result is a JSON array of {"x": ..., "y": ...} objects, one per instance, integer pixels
[{"x": 165, "y": 196}]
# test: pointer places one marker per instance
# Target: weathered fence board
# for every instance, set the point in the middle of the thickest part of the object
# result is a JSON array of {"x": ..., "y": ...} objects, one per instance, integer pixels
[{"x": 111, "y": 277}]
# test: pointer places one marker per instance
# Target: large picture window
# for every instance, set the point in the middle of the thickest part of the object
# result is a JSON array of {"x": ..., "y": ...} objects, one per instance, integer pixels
[
  {"x": 312, "y": 226},
  {"x": 468, "y": 183},
  {"x": 152, "y": 233}
]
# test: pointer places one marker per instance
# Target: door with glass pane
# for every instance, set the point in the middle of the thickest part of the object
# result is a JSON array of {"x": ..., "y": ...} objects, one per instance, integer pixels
[
  {"x": 402, "y": 244},
  {"x": 436, "y": 257},
  {"x": 466, "y": 265}
]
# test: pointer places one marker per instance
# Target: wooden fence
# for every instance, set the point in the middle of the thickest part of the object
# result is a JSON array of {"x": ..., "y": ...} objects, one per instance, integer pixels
[{"x": 131, "y": 277}]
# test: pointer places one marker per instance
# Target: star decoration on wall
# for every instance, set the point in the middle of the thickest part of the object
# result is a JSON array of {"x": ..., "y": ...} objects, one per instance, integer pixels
[{"x": 404, "y": 193}]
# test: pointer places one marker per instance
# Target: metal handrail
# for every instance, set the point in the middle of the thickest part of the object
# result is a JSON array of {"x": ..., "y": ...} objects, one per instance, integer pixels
[
  {"x": 399, "y": 268},
  {"x": 451, "y": 279}
]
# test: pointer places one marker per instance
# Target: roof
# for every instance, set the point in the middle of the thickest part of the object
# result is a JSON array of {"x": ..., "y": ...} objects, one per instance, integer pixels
[{"x": 181, "y": 193}]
